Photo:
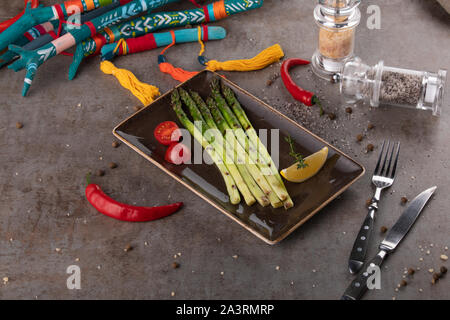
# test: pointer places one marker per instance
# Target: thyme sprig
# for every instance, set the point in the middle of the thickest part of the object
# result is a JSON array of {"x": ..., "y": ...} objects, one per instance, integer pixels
[{"x": 297, "y": 156}]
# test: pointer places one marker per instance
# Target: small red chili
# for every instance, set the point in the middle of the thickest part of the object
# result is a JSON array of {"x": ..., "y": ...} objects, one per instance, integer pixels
[
  {"x": 6, "y": 24},
  {"x": 305, "y": 97},
  {"x": 124, "y": 212}
]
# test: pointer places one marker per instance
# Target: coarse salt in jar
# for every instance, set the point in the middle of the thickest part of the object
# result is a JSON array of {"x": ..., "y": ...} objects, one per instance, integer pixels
[
  {"x": 382, "y": 85},
  {"x": 337, "y": 20}
]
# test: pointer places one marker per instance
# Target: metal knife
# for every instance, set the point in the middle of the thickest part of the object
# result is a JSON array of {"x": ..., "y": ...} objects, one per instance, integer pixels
[{"x": 359, "y": 286}]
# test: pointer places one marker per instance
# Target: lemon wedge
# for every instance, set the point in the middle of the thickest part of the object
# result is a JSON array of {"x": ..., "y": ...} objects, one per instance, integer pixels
[{"x": 315, "y": 162}]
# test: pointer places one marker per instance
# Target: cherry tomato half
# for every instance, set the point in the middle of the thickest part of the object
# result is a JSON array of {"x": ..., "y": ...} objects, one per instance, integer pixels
[
  {"x": 178, "y": 153},
  {"x": 167, "y": 132}
]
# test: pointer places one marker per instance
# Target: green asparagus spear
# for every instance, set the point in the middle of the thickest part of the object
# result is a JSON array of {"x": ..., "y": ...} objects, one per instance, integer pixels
[
  {"x": 239, "y": 112},
  {"x": 233, "y": 122},
  {"x": 236, "y": 148},
  {"x": 251, "y": 132},
  {"x": 229, "y": 181},
  {"x": 246, "y": 185},
  {"x": 226, "y": 131}
]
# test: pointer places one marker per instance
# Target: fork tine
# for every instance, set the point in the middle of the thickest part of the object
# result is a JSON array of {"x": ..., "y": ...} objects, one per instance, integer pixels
[
  {"x": 379, "y": 158},
  {"x": 390, "y": 159},
  {"x": 382, "y": 173},
  {"x": 396, "y": 161}
]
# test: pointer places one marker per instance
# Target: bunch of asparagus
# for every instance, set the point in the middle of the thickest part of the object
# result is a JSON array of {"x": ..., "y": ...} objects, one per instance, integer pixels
[{"x": 225, "y": 132}]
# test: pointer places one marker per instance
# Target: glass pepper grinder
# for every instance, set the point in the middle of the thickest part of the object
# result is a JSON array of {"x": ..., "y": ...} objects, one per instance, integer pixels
[
  {"x": 337, "y": 20},
  {"x": 383, "y": 85}
]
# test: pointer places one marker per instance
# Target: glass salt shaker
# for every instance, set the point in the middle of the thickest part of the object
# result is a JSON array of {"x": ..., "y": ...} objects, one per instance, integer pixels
[
  {"x": 337, "y": 20},
  {"x": 382, "y": 85}
]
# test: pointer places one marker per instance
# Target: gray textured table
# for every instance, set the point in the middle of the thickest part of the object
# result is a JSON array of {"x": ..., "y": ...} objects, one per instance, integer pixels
[{"x": 67, "y": 132}]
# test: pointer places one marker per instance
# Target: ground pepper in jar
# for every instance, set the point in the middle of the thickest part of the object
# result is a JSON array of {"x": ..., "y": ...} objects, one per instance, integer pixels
[
  {"x": 383, "y": 85},
  {"x": 337, "y": 20},
  {"x": 336, "y": 44},
  {"x": 400, "y": 88}
]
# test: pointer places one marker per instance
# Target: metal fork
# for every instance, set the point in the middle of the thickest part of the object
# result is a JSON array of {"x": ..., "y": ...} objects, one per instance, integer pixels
[{"x": 383, "y": 177}]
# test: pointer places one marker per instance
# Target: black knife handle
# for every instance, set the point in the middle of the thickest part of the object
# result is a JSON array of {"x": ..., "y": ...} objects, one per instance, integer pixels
[
  {"x": 358, "y": 287},
  {"x": 359, "y": 251}
]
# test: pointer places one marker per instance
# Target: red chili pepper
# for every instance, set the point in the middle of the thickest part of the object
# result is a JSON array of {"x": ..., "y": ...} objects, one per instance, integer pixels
[
  {"x": 124, "y": 212},
  {"x": 6, "y": 24},
  {"x": 305, "y": 97}
]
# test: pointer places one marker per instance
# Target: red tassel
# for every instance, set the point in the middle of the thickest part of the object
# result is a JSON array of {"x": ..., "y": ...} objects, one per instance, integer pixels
[{"x": 176, "y": 73}]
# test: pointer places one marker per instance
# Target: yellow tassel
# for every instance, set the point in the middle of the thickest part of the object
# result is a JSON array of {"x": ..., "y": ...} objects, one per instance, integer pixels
[
  {"x": 262, "y": 60},
  {"x": 144, "y": 92}
]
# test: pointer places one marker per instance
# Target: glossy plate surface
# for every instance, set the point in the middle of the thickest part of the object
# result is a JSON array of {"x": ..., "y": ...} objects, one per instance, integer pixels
[{"x": 270, "y": 225}]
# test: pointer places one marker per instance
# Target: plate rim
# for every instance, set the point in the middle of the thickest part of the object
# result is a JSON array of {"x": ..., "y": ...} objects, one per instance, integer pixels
[{"x": 211, "y": 202}]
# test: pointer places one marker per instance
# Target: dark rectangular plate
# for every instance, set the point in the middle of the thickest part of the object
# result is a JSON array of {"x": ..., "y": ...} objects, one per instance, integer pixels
[{"x": 270, "y": 225}]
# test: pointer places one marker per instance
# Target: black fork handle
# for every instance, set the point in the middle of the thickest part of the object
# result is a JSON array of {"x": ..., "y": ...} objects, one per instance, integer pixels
[{"x": 359, "y": 251}]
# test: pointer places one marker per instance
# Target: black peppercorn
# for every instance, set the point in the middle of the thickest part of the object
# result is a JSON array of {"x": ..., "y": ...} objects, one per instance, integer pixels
[{"x": 113, "y": 165}]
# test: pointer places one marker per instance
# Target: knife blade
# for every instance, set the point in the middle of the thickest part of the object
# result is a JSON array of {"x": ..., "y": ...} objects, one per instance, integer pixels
[
  {"x": 405, "y": 222},
  {"x": 359, "y": 286}
]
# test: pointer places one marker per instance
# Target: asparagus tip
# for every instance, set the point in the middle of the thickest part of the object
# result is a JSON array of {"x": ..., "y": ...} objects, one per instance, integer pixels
[
  {"x": 181, "y": 89},
  {"x": 210, "y": 101},
  {"x": 175, "y": 95},
  {"x": 215, "y": 84},
  {"x": 224, "y": 87}
]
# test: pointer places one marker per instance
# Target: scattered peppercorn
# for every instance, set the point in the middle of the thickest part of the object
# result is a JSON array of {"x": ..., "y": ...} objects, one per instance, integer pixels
[
  {"x": 115, "y": 144},
  {"x": 383, "y": 229},
  {"x": 411, "y": 271},
  {"x": 403, "y": 283},
  {"x": 349, "y": 110},
  {"x": 359, "y": 137},
  {"x": 443, "y": 270},
  {"x": 175, "y": 265},
  {"x": 113, "y": 165},
  {"x": 370, "y": 126},
  {"x": 19, "y": 125},
  {"x": 370, "y": 147},
  {"x": 272, "y": 79},
  {"x": 404, "y": 200},
  {"x": 128, "y": 247},
  {"x": 332, "y": 116},
  {"x": 100, "y": 173}
]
